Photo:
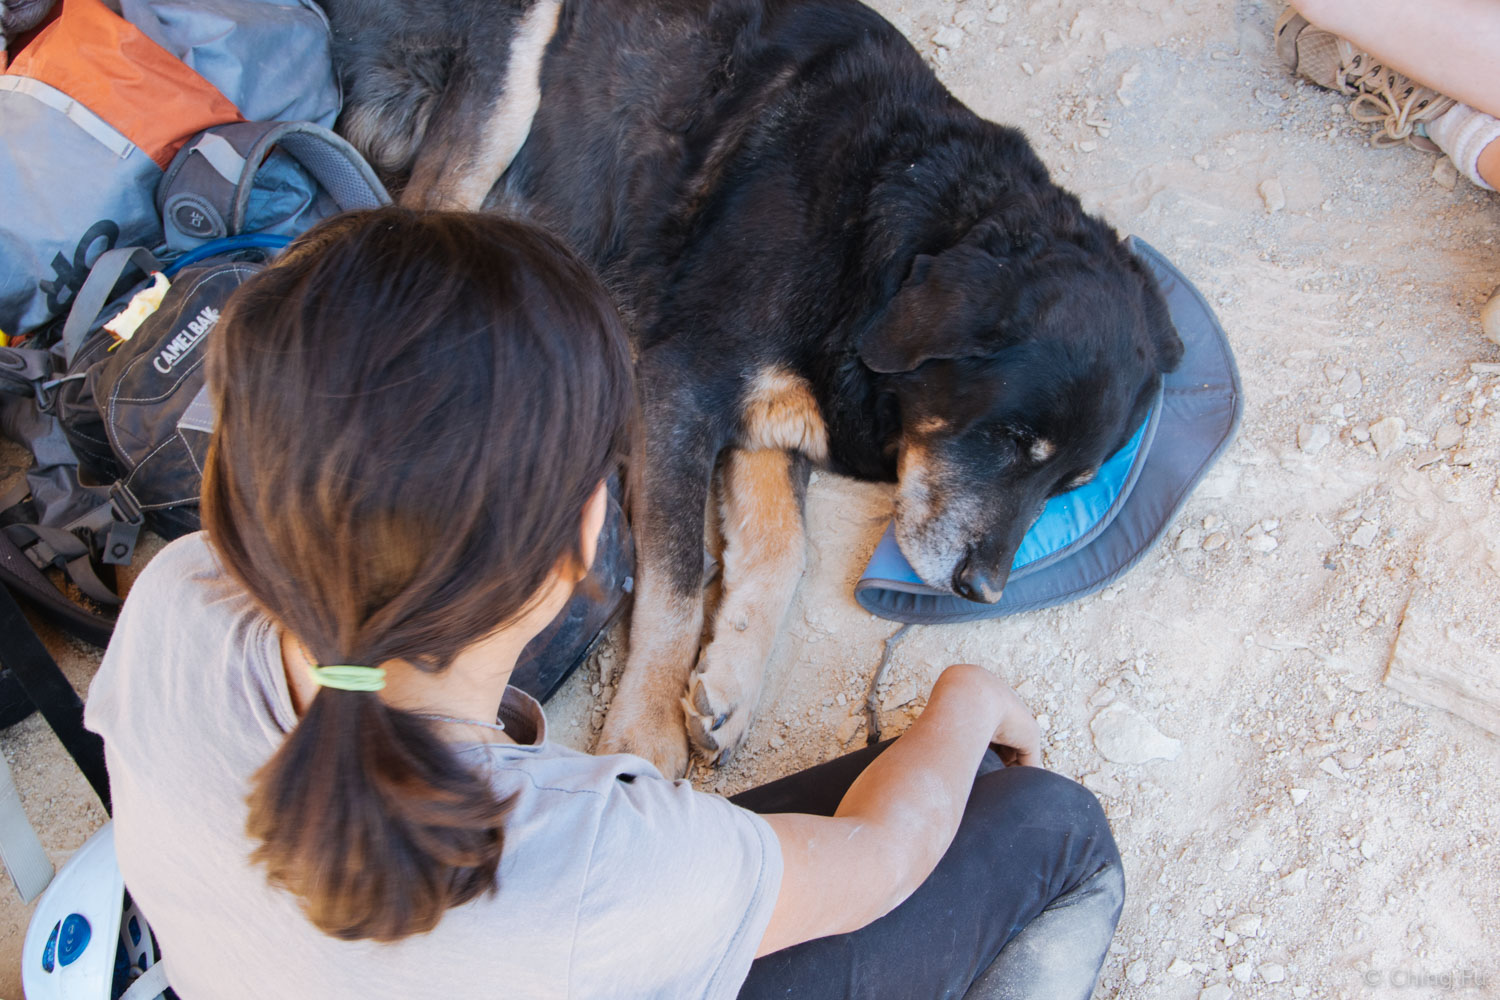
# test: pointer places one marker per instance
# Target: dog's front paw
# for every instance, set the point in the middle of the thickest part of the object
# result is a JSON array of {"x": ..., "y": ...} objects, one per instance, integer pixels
[
  {"x": 655, "y": 735},
  {"x": 717, "y": 719}
]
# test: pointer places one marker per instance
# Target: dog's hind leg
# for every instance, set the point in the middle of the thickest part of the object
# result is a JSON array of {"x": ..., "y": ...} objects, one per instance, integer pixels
[{"x": 764, "y": 555}]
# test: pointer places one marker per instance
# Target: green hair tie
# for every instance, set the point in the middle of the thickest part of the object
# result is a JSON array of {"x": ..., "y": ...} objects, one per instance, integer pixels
[{"x": 347, "y": 677}]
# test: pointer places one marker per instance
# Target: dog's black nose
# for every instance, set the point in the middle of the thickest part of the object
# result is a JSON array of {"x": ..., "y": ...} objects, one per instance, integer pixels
[{"x": 973, "y": 582}]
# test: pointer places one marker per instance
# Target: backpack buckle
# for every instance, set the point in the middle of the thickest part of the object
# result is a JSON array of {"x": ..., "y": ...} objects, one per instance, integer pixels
[{"x": 119, "y": 537}]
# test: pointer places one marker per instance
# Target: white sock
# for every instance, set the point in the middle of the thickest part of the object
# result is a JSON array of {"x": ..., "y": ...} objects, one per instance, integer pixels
[{"x": 1463, "y": 134}]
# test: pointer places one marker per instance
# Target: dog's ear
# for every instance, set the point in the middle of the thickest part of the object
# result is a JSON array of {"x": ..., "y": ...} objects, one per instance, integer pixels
[
  {"x": 953, "y": 305},
  {"x": 1165, "y": 343}
]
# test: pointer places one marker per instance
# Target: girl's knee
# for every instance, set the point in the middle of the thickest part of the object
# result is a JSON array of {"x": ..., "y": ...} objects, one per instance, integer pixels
[{"x": 1051, "y": 794}]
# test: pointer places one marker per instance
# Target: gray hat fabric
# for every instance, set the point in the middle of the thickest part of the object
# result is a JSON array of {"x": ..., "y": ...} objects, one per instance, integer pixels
[{"x": 1086, "y": 538}]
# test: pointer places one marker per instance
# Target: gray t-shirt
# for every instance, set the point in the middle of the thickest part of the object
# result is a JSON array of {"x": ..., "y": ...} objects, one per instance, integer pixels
[{"x": 614, "y": 882}]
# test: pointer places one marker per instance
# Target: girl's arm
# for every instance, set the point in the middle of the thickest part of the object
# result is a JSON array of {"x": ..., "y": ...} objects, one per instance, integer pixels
[{"x": 898, "y": 818}]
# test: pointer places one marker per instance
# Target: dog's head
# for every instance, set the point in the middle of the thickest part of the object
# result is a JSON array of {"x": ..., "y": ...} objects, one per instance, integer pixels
[{"x": 1020, "y": 365}]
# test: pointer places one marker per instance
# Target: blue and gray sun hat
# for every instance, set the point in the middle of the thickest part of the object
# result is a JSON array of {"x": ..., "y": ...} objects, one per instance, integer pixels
[{"x": 1087, "y": 538}]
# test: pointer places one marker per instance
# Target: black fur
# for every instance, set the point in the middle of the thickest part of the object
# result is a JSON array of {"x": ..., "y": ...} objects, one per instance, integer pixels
[{"x": 784, "y": 183}]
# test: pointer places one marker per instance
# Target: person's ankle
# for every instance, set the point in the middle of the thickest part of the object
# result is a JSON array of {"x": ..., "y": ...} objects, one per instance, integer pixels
[{"x": 1469, "y": 136}]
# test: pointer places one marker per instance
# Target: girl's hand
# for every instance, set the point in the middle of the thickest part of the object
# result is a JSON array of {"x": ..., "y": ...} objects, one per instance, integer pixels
[{"x": 1017, "y": 738}]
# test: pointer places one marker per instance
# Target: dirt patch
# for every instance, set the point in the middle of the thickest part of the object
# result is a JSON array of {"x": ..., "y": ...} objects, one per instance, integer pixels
[{"x": 1315, "y": 835}]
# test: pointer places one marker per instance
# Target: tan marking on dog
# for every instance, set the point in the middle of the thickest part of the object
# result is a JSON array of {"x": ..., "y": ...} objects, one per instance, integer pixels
[
  {"x": 928, "y": 426},
  {"x": 1042, "y": 449},
  {"x": 1082, "y": 479},
  {"x": 764, "y": 556},
  {"x": 464, "y": 184},
  {"x": 781, "y": 413}
]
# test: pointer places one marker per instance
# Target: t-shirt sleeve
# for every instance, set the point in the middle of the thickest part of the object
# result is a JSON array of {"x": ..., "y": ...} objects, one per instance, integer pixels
[{"x": 679, "y": 892}]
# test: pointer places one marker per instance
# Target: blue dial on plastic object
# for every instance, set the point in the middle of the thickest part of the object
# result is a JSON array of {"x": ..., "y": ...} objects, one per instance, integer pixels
[
  {"x": 73, "y": 939},
  {"x": 49, "y": 953}
]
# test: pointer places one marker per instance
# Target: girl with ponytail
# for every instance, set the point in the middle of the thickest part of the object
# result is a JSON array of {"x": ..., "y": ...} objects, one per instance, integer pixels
[{"x": 324, "y": 785}]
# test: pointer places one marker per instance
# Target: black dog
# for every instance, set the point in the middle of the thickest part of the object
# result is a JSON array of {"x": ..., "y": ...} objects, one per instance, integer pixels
[{"x": 825, "y": 258}]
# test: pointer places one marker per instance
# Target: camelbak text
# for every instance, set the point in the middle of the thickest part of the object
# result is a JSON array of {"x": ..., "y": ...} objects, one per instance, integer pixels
[{"x": 185, "y": 341}]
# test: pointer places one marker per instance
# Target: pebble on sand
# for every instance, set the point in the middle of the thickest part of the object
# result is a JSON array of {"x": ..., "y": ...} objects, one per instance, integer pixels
[
  {"x": 949, "y": 36},
  {"x": 1445, "y": 174},
  {"x": 1246, "y": 924},
  {"x": 1273, "y": 195},
  {"x": 1388, "y": 435},
  {"x": 1124, "y": 736},
  {"x": 1218, "y": 991},
  {"x": 1313, "y": 438}
]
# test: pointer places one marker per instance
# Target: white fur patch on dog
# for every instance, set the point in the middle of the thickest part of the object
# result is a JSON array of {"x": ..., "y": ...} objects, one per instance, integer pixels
[
  {"x": 509, "y": 123},
  {"x": 1042, "y": 449}
]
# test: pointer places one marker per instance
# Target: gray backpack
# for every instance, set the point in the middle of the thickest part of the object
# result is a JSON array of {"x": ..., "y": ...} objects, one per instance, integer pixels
[{"x": 118, "y": 428}]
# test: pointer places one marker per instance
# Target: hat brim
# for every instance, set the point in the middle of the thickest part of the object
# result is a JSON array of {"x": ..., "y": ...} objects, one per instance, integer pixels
[{"x": 1103, "y": 533}]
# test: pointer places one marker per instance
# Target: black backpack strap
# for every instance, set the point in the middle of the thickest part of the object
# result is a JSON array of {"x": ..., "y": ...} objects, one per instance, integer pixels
[
  {"x": 22, "y": 653},
  {"x": 26, "y": 582}
]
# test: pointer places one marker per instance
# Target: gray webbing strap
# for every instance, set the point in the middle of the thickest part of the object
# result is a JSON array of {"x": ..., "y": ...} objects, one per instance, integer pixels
[
  {"x": 29, "y": 867},
  {"x": 22, "y": 368},
  {"x": 94, "y": 295},
  {"x": 331, "y": 161},
  {"x": 149, "y": 985}
]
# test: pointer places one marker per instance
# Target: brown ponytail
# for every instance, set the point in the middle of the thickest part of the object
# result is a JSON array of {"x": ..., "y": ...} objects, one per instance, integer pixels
[{"x": 413, "y": 410}]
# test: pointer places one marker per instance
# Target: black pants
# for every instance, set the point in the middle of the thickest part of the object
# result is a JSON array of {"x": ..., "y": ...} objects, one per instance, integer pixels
[{"x": 1023, "y": 905}]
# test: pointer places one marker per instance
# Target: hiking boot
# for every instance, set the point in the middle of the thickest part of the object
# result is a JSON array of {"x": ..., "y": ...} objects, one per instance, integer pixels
[{"x": 1381, "y": 95}]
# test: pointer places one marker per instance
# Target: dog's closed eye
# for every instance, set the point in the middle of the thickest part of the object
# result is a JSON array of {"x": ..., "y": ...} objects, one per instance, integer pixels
[{"x": 1081, "y": 479}]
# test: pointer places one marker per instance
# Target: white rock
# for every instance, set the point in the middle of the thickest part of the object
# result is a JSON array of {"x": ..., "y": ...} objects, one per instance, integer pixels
[
  {"x": 1190, "y": 538},
  {"x": 848, "y": 728},
  {"x": 1299, "y": 796},
  {"x": 1273, "y": 195},
  {"x": 1218, "y": 991},
  {"x": 1364, "y": 536},
  {"x": 1243, "y": 971},
  {"x": 1215, "y": 541},
  {"x": 1124, "y": 736},
  {"x": 949, "y": 36},
  {"x": 1388, "y": 435},
  {"x": 1102, "y": 784},
  {"x": 1448, "y": 436},
  {"x": 1313, "y": 438},
  {"x": 1272, "y": 973},
  {"x": 1246, "y": 924},
  {"x": 1136, "y": 972},
  {"x": 1294, "y": 881},
  {"x": 1261, "y": 543},
  {"x": 899, "y": 695},
  {"x": 1331, "y": 766},
  {"x": 1179, "y": 967},
  {"x": 1445, "y": 174}
]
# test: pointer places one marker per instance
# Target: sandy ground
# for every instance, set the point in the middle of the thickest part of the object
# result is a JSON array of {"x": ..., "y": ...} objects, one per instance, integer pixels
[{"x": 1316, "y": 835}]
